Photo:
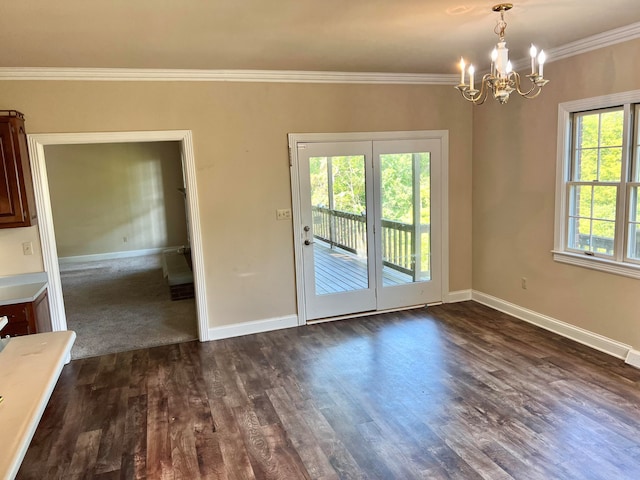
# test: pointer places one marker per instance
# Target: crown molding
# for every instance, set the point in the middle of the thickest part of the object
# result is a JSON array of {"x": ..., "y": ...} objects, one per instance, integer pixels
[
  {"x": 276, "y": 76},
  {"x": 601, "y": 40}
]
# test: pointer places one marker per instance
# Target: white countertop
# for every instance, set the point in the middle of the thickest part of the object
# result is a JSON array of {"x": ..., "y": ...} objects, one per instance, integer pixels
[
  {"x": 29, "y": 369},
  {"x": 22, "y": 288}
]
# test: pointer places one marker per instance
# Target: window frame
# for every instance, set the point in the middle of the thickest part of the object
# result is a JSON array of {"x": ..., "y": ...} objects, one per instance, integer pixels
[{"x": 619, "y": 263}]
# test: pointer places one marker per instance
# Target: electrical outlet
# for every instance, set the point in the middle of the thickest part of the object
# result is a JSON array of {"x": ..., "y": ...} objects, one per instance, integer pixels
[
  {"x": 27, "y": 248},
  {"x": 283, "y": 214},
  {"x": 523, "y": 282}
]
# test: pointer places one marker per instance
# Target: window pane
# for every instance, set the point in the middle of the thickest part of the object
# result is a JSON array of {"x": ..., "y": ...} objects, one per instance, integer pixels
[
  {"x": 610, "y": 164},
  {"x": 587, "y": 130},
  {"x": 586, "y": 165},
  {"x": 580, "y": 201},
  {"x": 634, "y": 225},
  {"x": 611, "y": 124},
  {"x": 604, "y": 202},
  {"x": 592, "y": 211},
  {"x": 602, "y": 236},
  {"x": 579, "y": 234},
  {"x": 598, "y": 146}
]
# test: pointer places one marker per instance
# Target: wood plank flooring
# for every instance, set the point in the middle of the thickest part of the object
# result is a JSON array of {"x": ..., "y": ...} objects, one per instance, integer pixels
[{"x": 457, "y": 391}]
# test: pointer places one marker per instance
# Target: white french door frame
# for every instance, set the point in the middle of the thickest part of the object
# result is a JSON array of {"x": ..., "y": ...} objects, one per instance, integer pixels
[{"x": 295, "y": 138}]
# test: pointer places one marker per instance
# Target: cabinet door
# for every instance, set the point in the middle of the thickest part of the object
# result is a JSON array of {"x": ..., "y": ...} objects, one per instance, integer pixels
[
  {"x": 10, "y": 205},
  {"x": 17, "y": 200},
  {"x": 21, "y": 319}
]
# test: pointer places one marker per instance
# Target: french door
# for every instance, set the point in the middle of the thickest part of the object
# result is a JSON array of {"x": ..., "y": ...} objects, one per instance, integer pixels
[{"x": 367, "y": 222}]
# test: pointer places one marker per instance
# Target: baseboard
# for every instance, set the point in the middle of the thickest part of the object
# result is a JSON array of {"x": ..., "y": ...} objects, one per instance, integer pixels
[
  {"x": 248, "y": 328},
  {"x": 633, "y": 358},
  {"x": 580, "y": 335},
  {"x": 112, "y": 255},
  {"x": 458, "y": 296}
]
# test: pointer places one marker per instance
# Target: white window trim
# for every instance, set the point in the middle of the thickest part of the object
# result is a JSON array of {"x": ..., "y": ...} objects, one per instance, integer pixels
[{"x": 565, "y": 110}]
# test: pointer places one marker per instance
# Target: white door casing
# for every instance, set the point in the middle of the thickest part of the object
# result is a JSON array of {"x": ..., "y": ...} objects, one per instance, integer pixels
[{"x": 37, "y": 142}]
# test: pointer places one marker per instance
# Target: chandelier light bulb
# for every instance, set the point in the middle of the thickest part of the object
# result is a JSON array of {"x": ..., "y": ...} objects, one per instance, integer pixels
[
  {"x": 472, "y": 70},
  {"x": 462, "y": 71},
  {"x": 533, "y": 51},
  {"x": 542, "y": 57}
]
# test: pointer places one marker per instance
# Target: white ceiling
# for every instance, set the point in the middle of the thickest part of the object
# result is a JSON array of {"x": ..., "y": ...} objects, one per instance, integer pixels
[{"x": 390, "y": 36}]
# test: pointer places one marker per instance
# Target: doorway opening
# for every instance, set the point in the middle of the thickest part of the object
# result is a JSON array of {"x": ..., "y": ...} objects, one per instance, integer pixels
[{"x": 37, "y": 144}]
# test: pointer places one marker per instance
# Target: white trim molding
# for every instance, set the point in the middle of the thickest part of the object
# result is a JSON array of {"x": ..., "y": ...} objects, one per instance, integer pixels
[
  {"x": 457, "y": 296},
  {"x": 594, "y": 42},
  {"x": 633, "y": 358},
  {"x": 96, "y": 257},
  {"x": 263, "y": 76},
  {"x": 580, "y": 335},
  {"x": 256, "y": 326},
  {"x": 37, "y": 143}
]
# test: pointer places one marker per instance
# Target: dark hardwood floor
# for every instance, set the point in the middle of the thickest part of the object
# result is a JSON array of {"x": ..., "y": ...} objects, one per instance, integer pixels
[{"x": 455, "y": 391}]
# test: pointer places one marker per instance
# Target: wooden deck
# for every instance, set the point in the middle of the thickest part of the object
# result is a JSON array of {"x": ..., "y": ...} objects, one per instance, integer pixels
[{"x": 338, "y": 270}]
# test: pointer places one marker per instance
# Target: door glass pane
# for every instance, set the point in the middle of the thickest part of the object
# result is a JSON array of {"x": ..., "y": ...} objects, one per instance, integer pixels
[
  {"x": 339, "y": 209},
  {"x": 405, "y": 197}
]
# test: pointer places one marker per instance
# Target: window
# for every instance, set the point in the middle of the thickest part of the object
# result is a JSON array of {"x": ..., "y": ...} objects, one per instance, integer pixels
[{"x": 597, "y": 195}]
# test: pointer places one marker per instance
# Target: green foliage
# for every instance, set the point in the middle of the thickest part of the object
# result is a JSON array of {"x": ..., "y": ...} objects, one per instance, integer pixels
[
  {"x": 598, "y": 158},
  {"x": 339, "y": 183},
  {"x": 347, "y": 175}
]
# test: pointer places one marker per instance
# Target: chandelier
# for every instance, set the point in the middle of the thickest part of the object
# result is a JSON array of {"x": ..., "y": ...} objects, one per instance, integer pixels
[{"x": 502, "y": 80}]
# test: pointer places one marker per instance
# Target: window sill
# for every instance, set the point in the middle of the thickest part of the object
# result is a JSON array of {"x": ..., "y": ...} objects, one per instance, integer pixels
[{"x": 595, "y": 263}]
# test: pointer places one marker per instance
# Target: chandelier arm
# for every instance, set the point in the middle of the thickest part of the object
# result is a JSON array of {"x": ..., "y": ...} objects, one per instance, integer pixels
[
  {"x": 533, "y": 92},
  {"x": 479, "y": 98},
  {"x": 484, "y": 89}
]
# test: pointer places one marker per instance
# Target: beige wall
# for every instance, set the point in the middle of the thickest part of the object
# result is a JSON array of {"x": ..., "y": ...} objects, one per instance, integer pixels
[
  {"x": 116, "y": 197},
  {"x": 240, "y": 145},
  {"x": 514, "y": 175},
  {"x": 12, "y": 259}
]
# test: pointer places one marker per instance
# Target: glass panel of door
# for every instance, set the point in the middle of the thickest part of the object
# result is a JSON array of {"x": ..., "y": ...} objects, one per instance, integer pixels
[
  {"x": 368, "y": 216},
  {"x": 339, "y": 211},
  {"x": 405, "y": 198}
]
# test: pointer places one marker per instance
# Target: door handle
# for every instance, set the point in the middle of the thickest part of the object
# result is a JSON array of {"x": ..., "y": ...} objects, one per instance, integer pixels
[{"x": 308, "y": 242}]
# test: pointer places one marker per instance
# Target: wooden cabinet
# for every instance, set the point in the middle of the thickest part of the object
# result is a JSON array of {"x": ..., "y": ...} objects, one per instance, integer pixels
[
  {"x": 17, "y": 200},
  {"x": 26, "y": 318}
]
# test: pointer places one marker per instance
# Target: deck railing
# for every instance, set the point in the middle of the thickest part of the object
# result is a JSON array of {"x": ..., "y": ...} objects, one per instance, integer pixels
[
  {"x": 400, "y": 248},
  {"x": 602, "y": 244}
]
